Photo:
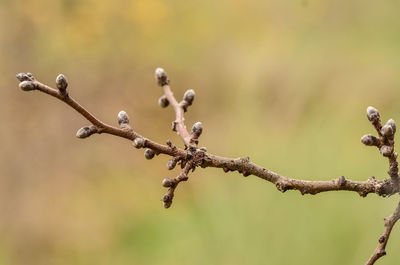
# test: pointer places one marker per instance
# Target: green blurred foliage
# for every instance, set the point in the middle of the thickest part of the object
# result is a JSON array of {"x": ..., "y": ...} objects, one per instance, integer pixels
[{"x": 285, "y": 82}]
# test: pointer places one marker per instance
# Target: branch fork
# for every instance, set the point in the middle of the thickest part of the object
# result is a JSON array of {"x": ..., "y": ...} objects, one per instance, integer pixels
[{"x": 191, "y": 156}]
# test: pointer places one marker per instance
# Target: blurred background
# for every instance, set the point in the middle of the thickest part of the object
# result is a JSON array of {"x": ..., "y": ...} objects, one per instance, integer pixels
[{"x": 284, "y": 82}]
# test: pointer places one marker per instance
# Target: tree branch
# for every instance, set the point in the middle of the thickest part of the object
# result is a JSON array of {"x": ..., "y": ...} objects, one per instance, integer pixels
[{"x": 191, "y": 156}]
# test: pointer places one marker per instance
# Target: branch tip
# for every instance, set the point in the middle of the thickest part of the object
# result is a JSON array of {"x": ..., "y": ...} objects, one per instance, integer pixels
[{"x": 161, "y": 77}]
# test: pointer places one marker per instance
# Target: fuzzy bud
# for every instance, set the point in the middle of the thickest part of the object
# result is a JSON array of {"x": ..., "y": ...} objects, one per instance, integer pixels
[
  {"x": 161, "y": 76},
  {"x": 370, "y": 140},
  {"x": 167, "y": 200},
  {"x": 62, "y": 83},
  {"x": 392, "y": 124},
  {"x": 387, "y": 130},
  {"x": 25, "y": 77},
  {"x": 373, "y": 115},
  {"x": 86, "y": 131},
  {"x": 386, "y": 150},
  {"x": 122, "y": 118},
  {"x": 138, "y": 143},
  {"x": 27, "y": 85},
  {"x": 189, "y": 96},
  {"x": 168, "y": 182},
  {"x": 171, "y": 163},
  {"x": 163, "y": 101},
  {"x": 197, "y": 129},
  {"x": 149, "y": 153}
]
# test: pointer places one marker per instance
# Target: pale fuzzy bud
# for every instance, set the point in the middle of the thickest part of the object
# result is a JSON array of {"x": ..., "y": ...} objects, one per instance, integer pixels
[
  {"x": 163, "y": 101},
  {"x": 86, "y": 131},
  {"x": 171, "y": 163},
  {"x": 373, "y": 115},
  {"x": 149, "y": 153},
  {"x": 25, "y": 77},
  {"x": 189, "y": 96},
  {"x": 387, "y": 130},
  {"x": 61, "y": 82},
  {"x": 161, "y": 77},
  {"x": 392, "y": 124},
  {"x": 168, "y": 182},
  {"x": 197, "y": 129},
  {"x": 27, "y": 85},
  {"x": 370, "y": 140},
  {"x": 386, "y": 150},
  {"x": 122, "y": 118},
  {"x": 138, "y": 143}
]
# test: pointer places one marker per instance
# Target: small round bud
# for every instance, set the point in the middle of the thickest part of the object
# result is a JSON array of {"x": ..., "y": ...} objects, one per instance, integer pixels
[
  {"x": 138, "y": 143},
  {"x": 386, "y": 150},
  {"x": 387, "y": 130},
  {"x": 163, "y": 101},
  {"x": 27, "y": 85},
  {"x": 161, "y": 77},
  {"x": 189, "y": 96},
  {"x": 168, "y": 182},
  {"x": 86, "y": 131},
  {"x": 370, "y": 140},
  {"x": 373, "y": 115},
  {"x": 149, "y": 153},
  {"x": 122, "y": 118},
  {"x": 171, "y": 163},
  {"x": 61, "y": 82},
  {"x": 392, "y": 124},
  {"x": 197, "y": 129},
  {"x": 25, "y": 77}
]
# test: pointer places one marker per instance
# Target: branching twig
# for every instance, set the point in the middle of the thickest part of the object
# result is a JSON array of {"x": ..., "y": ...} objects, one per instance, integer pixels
[{"x": 191, "y": 156}]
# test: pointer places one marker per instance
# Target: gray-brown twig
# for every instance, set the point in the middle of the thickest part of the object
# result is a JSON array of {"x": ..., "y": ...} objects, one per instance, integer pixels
[{"x": 191, "y": 157}]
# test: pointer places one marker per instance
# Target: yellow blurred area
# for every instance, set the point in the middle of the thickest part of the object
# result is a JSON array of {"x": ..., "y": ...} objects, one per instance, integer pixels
[{"x": 284, "y": 82}]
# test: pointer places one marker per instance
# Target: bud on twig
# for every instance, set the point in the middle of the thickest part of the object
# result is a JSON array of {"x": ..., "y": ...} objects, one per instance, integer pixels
[
  {"x": 168, "y": 182},
  {"x": 189, "y": 96},
  {"x": 163, "y": 101},
  {"x": 86, "y": 131},
  {"x": 161, "y": 76},
  {"x": 149, "y": 153},
  {"x": 373, "y": 115},
  {"x": 138, "y": 143},
  {"x": 172, "y": 163},
  {"x": 197, "y": 129},
  {"x": 25, "y": 77},
  {"x": 387, "y": 131},
  {"x": 370, "y": 140},
  {"x": 61, "y": 83},
  {"x": 27, "y": 85},
  {"x": 386, "y": 150},
  {"x": 122, "y": 118},
  {"x": 392, "y": 124}
]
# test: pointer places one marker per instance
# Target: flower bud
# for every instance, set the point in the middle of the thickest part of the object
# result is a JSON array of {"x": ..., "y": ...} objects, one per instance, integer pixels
[
  {"x": 86, "y": 131},
  {"x": 171, "y": 163},
  {"x": 25, "y": 77},
  {"x": 373, "y": 115},
  {"x": 168, "y": 182},
  {"x": 122, "y": 118},
  {"x": 149, "y": 153},
  {"x": 386, "y": 150},
  {"x": 27, "y": 85},
  {"x": 161, "y": 77},
  {"x": 392, "y": 124},
  {"x": 370, "y": 140},
  {"x": 61, "y": 82},
  {"x": 163, "y": 101},
  {"x": 387, "y": 130},
  {"x": 197, "y": 129},
  {"x": 189, "y": 96},
  {"x": 167, "y": 200},
  {"x": 138, "y": 143}
]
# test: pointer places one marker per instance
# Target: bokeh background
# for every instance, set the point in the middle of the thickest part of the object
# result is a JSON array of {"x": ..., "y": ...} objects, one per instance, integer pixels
[{"x": 284, "y": 82}]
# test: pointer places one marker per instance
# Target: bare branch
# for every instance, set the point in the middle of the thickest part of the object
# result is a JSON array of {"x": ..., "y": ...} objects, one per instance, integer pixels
[
  {"x": 380, "y": 250},
  {"x": 191, "y": 156}
]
